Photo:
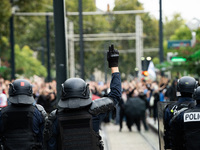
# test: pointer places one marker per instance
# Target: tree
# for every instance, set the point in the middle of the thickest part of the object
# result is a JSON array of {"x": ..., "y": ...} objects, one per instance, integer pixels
[
  {"x": 26, "y": 28},
  {"x": 5, "y": 13},
  {"x": 182, "y": 33},
  {"x": 170, "y": 26},
  {"x": 126, "y": 23},
  {"x": 26, "y": 64},
  {"x": 94, "y": 57},
  {"x": 191, "y": 65}
]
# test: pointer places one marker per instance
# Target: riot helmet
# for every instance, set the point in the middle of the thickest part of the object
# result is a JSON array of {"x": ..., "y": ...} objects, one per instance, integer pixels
[
  {"x": 75, "y": 94},
  {"x": 196, "y": 94},
  {"x": 20, "y": 92},
  {"x": 186, "y": 84}
]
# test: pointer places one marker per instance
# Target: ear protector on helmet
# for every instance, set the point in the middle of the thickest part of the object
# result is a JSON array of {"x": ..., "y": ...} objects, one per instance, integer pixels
[
  {"x": 196, "y": 94},
  {"x": 12, "y": 90}
]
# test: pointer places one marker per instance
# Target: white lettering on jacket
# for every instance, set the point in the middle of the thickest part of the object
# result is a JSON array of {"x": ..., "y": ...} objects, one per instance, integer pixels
[{"x": 192, "y": 116}]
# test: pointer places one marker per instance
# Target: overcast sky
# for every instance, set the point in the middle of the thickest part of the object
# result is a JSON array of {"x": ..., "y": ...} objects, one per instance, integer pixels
[{"x": 189, "y": 9}]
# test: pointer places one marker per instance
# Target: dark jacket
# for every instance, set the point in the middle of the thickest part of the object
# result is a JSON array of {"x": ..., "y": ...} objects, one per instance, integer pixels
[
  {"x": 115, "y": 94},
  {"x": 169, "y": 113},
  {"x": 23, "y": 125}
]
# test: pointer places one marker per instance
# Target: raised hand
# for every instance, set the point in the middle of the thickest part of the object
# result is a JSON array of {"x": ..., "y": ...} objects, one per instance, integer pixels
[{"x": 112, "y": 56}]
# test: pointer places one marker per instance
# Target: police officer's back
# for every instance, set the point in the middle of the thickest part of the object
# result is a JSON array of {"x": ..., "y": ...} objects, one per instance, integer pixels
[
  {"x": 185, "y": 86},
  {"x": 186, "y": 127},
  {"x": 75, "y": 124},
  {"x": 22, "y": 122}
]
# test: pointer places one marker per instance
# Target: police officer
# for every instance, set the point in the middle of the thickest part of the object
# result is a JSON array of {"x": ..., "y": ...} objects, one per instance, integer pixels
[
  {"x": 75, "y": 124},
  {"x": 185, "y": 86},
  {"x": 186, "y": 127},
  {"x": 22, "y": 122}
]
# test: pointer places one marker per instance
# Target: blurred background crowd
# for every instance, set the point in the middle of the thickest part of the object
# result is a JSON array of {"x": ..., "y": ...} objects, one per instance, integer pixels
[{"x": 139, "y": 98}]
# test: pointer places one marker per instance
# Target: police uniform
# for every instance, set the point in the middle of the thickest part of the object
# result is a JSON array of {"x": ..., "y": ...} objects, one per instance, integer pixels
[
  {"x": 185, "y": 86},
  {"x": 75, "y": 124},
  {"x": 185, "y": 127},
  {"x": 22, "y": 122}
]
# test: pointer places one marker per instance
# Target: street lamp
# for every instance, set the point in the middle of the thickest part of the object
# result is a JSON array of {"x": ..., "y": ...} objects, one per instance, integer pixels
[{"x": 193, "y": 25}]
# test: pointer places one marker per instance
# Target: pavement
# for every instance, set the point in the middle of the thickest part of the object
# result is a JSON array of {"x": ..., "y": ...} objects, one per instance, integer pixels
[
  {"x": 126, "y": 140},
  {"x": 152, "y": 124}
]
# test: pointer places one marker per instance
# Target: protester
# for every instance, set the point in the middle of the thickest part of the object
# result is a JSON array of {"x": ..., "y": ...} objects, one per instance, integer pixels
[{"x": 134, "y": 110}]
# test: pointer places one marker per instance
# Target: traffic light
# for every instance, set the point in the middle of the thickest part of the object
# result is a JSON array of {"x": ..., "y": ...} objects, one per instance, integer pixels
[{"x": 145, "y": 73}]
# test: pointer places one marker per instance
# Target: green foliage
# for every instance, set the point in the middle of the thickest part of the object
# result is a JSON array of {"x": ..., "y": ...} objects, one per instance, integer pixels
[
  {"x": 31, "y": 31},
  {"x": 27, "y": 30},
  {"x": 182, "y": 33},
  {"x": 126, "y": 24},
  {"x": 31, "y": 6},
  {"x": 198, "y": 35},
  {"x": 94, "y": 57},
  {"x": 5, "y": 13},
  {"x": 156, "y": 60},
  {"x": 170, "y": 26},
  {"x": 4, "y": 48},
  {"x": 26, "y": 64},
  {"x": 165, "y": 66}
]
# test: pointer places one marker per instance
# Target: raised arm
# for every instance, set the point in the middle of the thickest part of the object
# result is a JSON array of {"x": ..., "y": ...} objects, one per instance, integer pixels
[{"x": 115, "y": 84}]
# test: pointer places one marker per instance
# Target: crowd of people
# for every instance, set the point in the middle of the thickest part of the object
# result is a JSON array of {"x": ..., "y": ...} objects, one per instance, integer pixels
[
  {"x": 150, "y": 92},
  {"x": 44, "y": 122},
  {"x": 44, "y": 93},
  {"x": 34, "y": 119},
  {"x": 138, "y": 101}
]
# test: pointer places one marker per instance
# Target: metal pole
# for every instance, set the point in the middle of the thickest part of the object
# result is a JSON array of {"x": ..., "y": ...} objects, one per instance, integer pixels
[
  {"x": 12, "y": 44},
  {"x": 141, "y": 39},
  {"x": 105, "y": 61},
  {"x": 48, "y": 49},
  {"x": 42, "y": 50},
  {"x": 81, "y": 40},
  {"x": 138, "y": 46},
  {"x": 60, "y": 47},
  {"x": 66, "y": 44},
  {"x": 71, "y": 50},
  {"x": 84, "y": 13},
  {"x": 161, "y": 36}
]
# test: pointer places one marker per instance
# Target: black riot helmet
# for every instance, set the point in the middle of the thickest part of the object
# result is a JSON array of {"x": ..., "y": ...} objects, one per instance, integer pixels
[
  {"x": 20, "y": 92},
  {"x": 196, "y": 94},
  {"x": 75, "y": 94},
  {"x": 186, "y": 84}
]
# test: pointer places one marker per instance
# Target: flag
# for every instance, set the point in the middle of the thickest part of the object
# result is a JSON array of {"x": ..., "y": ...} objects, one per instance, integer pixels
[{"x": 151, "y": 71}]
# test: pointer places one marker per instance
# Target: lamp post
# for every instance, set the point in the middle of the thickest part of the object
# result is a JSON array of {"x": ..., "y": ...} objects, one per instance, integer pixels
[
  {"x": 12, "y": 43},
  {"x": 81, "y": 40},
  {"x": 60, "y": 43},
  {"x": 161, "y": 37},
  {"x": 193, "y": 25}
]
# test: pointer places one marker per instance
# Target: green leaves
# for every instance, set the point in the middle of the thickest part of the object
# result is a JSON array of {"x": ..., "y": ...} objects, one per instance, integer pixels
[{"x": 26, "y": 64}]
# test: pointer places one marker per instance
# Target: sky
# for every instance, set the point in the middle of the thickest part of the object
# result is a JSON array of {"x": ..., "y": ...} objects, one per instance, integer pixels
[{"x": 188, "y": 9}]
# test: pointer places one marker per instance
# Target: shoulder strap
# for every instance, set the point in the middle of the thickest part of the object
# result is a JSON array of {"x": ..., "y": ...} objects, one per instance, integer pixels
[
  {"x": 177, "y": 113},
  {"x": 42, "y": 110},
  {"x": 180, "y": 107},
  {"x": 101, "y": 105},
  {"x": 175, "y": 109},
  {"x": 48, "y": 131}
]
